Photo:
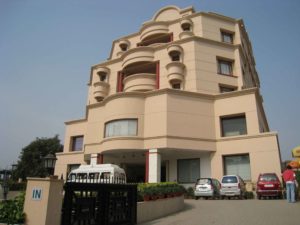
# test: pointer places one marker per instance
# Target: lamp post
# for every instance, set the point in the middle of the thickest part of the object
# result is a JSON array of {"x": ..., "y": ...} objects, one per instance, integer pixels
[
  {"x": 5, "y": 184},
  {"x": 49, "y": 163},
  {"x": 14, "y": 167}
]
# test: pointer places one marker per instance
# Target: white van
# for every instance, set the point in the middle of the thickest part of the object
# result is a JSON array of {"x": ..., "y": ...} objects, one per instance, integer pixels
[{"x": 101, "y": 173}]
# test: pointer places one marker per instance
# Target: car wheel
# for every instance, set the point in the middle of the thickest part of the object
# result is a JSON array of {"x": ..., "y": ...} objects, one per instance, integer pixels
[{"x": 196, "y": 198}]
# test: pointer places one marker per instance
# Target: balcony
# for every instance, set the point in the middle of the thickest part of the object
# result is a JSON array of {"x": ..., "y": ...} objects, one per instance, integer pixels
[
  {"x": 153, "y": 28},
  {"x": 137, "y": 55},
  {"x": 140, "y": 82},
  {"x": 100, "y": 90},
  {"x": 175, "y": 72},
  {"x": 186, "y": 34}
]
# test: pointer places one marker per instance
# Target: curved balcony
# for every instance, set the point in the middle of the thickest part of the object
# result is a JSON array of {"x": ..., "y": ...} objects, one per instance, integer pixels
[
  {"x": 175, "y": 72},
  {"x": 138, "y": 55},
  {"x": 174, "y": 48},
  {"x": 152, "y": 28},
  {"x": 140, "y": 82},
  {"x": 186, "y": 34},
  {"x": 186, "y": 24},
  {"x": 100, "y": 90}
]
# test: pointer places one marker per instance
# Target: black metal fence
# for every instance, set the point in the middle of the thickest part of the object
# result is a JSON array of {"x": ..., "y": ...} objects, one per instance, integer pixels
[{"x": 99, "y": 203}]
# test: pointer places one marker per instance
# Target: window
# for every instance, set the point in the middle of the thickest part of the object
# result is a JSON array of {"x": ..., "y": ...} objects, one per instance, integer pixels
[
  {"x": 237, "y": 165},
  {"x": 103, "y": 77},
  {"x": 155, "y": 39},
  {"x": 175, "y": 58},
  {"x": 175, "y": 55},
  {"x": 225, "y": 67},
  {"x": 126, "y": 127},
  {"x": 186, "y": 26},
  {"x": 227, "y": 37},
  {"x": 77, "y": 143},
  {"x": 176, "y": 86},
  {"x": 123, "y": 47},
  {"x": 232, "y": 126},
  {"x": 188, "y": 170},
  {"x": 224, "y": 89}
]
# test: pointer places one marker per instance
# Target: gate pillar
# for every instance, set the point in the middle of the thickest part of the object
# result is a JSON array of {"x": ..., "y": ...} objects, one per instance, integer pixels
[{"x": 43, "y": 201}]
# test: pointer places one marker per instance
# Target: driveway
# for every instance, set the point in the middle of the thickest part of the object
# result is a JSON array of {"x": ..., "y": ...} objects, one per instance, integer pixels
[{"x": 234, "y": 212}]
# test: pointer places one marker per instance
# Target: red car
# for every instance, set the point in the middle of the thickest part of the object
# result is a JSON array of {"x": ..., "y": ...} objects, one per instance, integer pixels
[{"x": 268, "y": 185}]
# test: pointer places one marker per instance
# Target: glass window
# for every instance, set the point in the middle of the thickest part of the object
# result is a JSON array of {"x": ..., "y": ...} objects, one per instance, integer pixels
[
  {"x": 188, "y": 170},
  {"x": 238, "y": 165},
  {"x": 224, "y": 89},
  {"x": 127, "y": 127},
  {"x": 77, "y": 143},
  {"x": 225, "y": 67},
  {"x": 176, "y": 86},
  {"x": 232, "y": 126},
  {"x": 227, "y": 37}
]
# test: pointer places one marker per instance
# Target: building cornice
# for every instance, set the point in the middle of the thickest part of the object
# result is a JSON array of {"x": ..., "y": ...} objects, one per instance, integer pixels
[
  {"x": 243, "y": 137},
  {"x": 207, "y": 96},
  {"x": 162, "y": 46},
  {"x": 175, "y": 92},
  {"x": 75, "y": 121},
  {"x": 195, "y": 14},
  {"x": 69, "y": 153}
]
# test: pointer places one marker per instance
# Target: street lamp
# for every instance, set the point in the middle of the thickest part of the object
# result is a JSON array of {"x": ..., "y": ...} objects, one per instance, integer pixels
[
  {"x": 49, "y": 163},
  {"x": 14, "y": 167},
  {"x": 5, "y": 183}
]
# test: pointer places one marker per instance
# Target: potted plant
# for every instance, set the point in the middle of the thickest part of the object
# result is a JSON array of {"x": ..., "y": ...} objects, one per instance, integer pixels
[{"x": 147, "y": 193}]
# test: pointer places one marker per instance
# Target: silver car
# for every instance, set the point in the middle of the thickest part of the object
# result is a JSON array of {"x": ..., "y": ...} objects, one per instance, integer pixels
[
  {"x": 207, "y": 187},
  {"x": 232, "y": 186}
]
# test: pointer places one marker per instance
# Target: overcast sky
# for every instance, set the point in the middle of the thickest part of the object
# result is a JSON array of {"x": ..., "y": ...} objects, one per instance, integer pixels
[{"x": 47, "y": 48}]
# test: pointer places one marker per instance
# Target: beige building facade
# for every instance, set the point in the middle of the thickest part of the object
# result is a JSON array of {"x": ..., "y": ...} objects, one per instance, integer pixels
[{"x": 178, "y": 100}]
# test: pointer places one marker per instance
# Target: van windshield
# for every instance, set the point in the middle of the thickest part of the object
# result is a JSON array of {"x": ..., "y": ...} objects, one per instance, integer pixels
[{"x": 204, "y": 181}]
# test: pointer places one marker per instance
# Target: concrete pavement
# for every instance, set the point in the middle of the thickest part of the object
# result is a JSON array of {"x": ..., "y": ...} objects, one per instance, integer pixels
[{"x": 234, "y": 212}]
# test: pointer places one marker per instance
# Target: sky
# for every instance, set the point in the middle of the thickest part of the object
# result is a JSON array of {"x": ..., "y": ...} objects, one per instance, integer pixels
[{"x": 47, "y": 48}]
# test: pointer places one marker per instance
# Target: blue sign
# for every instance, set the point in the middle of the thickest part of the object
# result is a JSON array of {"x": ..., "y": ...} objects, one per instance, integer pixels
[{"x": 36, "y": 194}]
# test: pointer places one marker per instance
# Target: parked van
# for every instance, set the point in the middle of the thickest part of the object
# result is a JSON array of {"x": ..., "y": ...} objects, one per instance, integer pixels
[
  {"x": 101, "y": 173},
  {"x": 232, "y": 186}
]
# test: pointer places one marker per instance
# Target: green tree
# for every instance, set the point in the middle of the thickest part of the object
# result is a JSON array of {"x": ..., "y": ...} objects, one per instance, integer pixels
[{"x": 30, "y": 162}]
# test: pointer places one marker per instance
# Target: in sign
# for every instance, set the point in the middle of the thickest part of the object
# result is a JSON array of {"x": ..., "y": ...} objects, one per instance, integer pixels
[{"x": 37, "y": 194}]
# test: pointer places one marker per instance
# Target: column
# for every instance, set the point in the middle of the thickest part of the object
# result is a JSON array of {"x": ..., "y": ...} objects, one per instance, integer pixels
[
  {"x": 154, "y": 166},
  {"x": 96, "y": 159}
]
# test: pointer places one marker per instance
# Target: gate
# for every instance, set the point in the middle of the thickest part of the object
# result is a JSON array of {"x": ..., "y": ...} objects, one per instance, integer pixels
[{"x": 99, "y": 204}]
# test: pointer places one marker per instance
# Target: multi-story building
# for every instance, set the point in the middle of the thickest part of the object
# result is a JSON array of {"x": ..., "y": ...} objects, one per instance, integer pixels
[{"x": 178, "y": 100}]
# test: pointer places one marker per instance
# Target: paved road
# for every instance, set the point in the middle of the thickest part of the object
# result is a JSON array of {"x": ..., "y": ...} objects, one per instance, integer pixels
[{"x": 234, "y": 212}]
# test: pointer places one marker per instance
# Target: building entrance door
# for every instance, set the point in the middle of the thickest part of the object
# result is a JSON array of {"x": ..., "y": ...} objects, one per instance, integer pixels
[{"x": 135, "y": 173}]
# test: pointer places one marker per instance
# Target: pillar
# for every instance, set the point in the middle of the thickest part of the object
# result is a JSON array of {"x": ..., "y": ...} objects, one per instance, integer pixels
[
  {"x": 154, "y": 166},
  {"x": 43, "y": 201},
  {"x": 96, "y": 159}
]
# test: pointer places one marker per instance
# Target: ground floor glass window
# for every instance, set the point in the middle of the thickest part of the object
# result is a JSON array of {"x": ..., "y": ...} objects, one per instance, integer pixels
[
  {"x": 238, "y": 165},
  {"x": 188, "y": 170}
]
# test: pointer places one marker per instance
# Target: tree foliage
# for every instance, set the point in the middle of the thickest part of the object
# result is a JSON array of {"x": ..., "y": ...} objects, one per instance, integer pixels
[{"x": 31, "y": 162}]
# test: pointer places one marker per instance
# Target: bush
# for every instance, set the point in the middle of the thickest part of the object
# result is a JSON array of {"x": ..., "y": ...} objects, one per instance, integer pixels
[
  {"x": 159, "y": 189},
  {"x": 11, "y": 211}
]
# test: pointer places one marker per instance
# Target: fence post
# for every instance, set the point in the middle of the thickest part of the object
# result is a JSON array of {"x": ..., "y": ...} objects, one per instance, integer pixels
[{"x": 43, "y": 201}]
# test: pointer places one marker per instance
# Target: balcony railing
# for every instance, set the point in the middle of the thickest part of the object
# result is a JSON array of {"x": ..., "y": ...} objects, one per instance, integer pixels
[
  {"x": 140, "y": 82},
  {"x": 100, "y": 90}
]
